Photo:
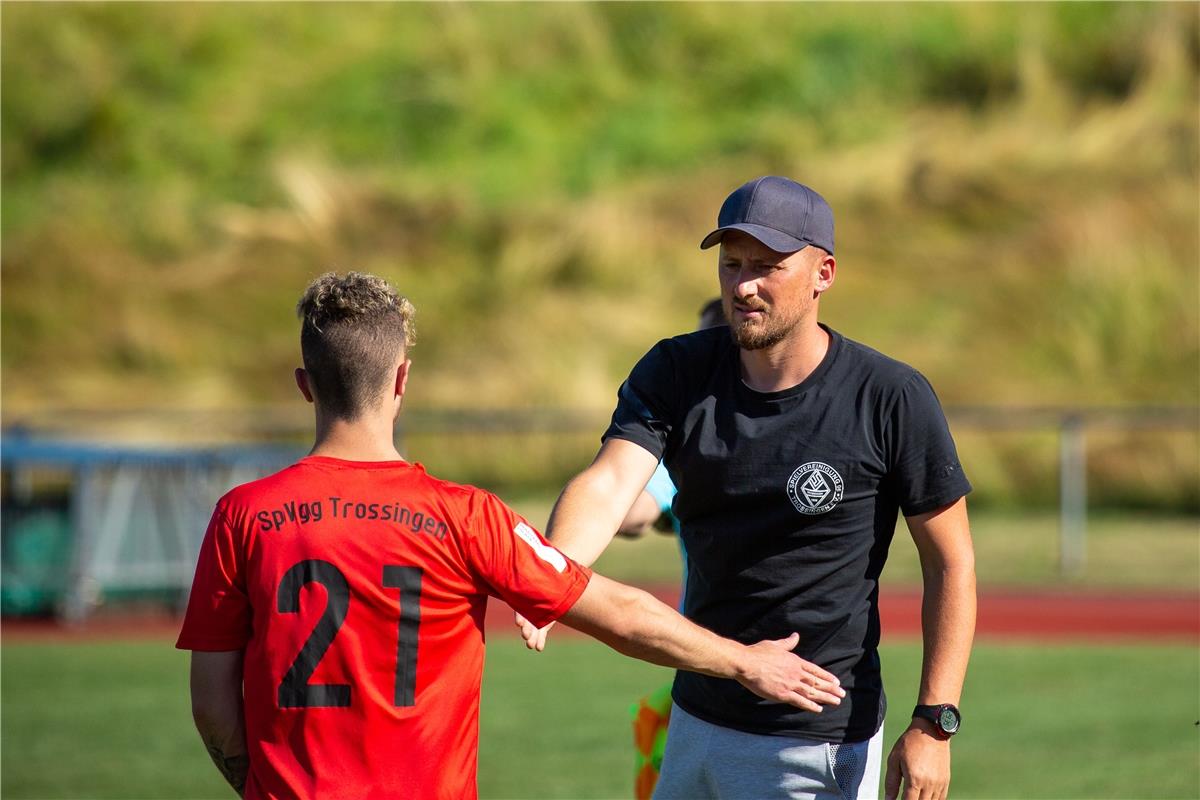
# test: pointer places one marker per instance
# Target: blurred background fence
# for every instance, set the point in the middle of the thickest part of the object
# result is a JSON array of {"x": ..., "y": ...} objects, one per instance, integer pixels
[{"x": 89, "y": 524}]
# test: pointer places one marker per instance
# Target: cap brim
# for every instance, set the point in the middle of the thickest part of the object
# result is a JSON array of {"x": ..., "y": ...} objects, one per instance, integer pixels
[{"x": 778, "y": 241}]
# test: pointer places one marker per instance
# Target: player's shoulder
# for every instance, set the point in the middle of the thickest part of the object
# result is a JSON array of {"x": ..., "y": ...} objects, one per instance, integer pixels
[
  {"x": 459, "y": 500},
  {"x": 473, "y": 514},
  {"x": 882, "y": 370},
  {"x": 709, "y": 340},
  {"x": 696, "y": 351},
  {"x": 452, "y": 492}
]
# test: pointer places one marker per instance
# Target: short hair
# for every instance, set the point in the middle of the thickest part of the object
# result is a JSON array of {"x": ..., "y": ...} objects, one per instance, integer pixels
[{"x": 352, "y": 330}]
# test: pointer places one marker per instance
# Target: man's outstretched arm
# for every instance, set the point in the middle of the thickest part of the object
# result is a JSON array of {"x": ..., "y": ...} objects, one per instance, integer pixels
[
  {"x": 943, "y": 538},
  {"x": 595, "y": 502},
  {"x": 591, "y": 509},
  {"x": 633, "y": 622},
  {"x": 216, "y": 685}
]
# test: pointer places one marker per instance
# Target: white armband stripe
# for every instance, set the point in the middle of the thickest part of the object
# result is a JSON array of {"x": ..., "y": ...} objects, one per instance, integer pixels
[{"x": 543, "y": 551}]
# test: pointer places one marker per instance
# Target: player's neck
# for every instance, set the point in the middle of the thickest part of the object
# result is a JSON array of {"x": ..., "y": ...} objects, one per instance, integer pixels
[
  {"x": 788, "y": 363},
  {"x": 368, "y": 438}
]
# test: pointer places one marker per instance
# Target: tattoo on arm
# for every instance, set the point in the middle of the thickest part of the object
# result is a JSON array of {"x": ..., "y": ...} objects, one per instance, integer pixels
[{"x": 234, "y": 768}]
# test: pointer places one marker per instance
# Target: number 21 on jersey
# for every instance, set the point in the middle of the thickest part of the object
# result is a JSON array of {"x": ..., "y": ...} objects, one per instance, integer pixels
[{"x": 294, "y": 690}]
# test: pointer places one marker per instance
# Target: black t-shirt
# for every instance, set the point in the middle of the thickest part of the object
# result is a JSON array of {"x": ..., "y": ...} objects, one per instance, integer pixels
[{"x": 787, "y": 504}]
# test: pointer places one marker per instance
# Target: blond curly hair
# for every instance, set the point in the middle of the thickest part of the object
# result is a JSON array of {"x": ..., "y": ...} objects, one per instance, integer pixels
[{"x": 354, "y": 331}]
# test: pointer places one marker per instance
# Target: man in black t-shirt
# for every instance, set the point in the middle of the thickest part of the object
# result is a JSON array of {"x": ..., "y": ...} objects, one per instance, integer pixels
[{"x": 793, "y": 449}]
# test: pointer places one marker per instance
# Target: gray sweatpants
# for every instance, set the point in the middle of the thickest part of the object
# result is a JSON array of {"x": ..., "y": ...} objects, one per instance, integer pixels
[{"x": 703, "y": 760}]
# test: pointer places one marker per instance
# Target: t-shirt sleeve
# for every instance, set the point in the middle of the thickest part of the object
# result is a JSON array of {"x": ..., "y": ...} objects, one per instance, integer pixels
[
  {"x": 218, "y": 614},
  {"x": 924, "y": 462},
  {"x": 518, "y": 564},
  {"x": 646, "y": 403}
]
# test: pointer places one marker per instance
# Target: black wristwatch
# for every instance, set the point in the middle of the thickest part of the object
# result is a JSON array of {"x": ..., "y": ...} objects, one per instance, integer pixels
[{"x": 945, "y": 717}]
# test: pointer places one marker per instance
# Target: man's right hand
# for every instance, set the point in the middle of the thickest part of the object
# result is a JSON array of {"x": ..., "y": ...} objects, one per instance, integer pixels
[
  {"x": 633, "y": 622},
  {"x": 535, "y": 638},
  {"x": 771, "y": 670}
]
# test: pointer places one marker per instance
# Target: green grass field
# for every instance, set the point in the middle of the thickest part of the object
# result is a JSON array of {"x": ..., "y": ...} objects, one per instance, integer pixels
[{"x": 111, "y": 720}]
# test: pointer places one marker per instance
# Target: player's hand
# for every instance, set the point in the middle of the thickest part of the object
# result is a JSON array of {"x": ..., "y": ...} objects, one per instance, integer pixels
[
  {"x": 773, "y": 671},
  {"x": 920, "y": 764},
  {"x": 535, "y": 638}
]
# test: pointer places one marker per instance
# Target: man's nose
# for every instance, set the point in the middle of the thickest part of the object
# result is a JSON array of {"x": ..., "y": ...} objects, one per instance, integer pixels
[{"x": 746, "y": 285}]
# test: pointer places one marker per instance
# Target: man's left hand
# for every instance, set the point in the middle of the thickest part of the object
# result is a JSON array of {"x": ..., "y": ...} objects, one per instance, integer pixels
[{"x": 921, "y": 759}]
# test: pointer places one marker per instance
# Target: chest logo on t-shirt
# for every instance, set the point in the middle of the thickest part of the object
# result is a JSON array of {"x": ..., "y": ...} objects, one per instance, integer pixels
[{"x": 815, "y": 488}]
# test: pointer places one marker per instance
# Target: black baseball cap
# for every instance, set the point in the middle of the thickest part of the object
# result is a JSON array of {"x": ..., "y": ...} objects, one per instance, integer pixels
[{"x": 784, "y": 215}]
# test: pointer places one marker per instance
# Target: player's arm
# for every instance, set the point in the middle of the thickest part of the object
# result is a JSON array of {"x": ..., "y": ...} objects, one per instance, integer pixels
[
  {"x": 593, "y": 505},
  {"x": 633, "y": 622},
  {"x": 216, "y": 686},
  {"x": 943, "y": 540},
  {"x": 591, "y": 508},
  {"x": 643, "y": 513}
]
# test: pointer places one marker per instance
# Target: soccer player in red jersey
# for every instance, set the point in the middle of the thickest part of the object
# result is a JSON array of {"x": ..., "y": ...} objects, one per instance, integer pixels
[{"x": 336, "y": 618}]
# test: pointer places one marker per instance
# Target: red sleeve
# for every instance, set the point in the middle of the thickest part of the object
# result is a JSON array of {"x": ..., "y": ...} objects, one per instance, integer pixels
[
  {"x": 518, "y": 564},
  {"x": 218, "y": 613}
]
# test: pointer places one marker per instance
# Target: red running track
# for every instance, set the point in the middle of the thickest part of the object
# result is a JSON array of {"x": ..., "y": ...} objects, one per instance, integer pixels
[
  {"x": 1061, "y": 615},
  {"x": 1013, "y": 614},
  {"x": 1017, "y": 614}
]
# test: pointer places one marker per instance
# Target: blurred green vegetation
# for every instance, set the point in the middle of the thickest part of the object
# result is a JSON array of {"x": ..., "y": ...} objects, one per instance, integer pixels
[{"x": 1015, "y": 188}]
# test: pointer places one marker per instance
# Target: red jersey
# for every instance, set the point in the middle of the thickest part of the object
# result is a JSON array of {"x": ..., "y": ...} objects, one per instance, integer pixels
[{"x": 357, "y": 590}]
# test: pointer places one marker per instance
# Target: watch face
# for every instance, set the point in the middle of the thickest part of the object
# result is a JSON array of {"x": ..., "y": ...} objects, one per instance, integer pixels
[{"x": 948, "y": 720}]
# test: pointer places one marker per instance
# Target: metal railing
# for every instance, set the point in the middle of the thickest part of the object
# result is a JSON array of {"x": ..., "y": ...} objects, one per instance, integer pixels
[{"x": 1073, "y": 425}]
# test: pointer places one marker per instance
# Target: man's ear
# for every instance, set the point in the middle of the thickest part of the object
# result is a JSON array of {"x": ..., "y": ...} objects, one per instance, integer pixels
[
  {"x": 402, "y": 377},
  {"x": 826, "y": 271},
  {"x": 302, "y": 383}
]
